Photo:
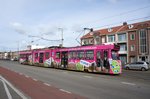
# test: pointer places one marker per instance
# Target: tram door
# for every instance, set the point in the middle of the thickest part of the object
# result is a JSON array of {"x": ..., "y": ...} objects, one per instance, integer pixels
[
  {"x": 106, "y": 63},
  {"x": 27, "y": 58},
  {"x": 99, "y": 59},
  {"x": 41, "y": 57},
  {"x": 64, "y": 59}
]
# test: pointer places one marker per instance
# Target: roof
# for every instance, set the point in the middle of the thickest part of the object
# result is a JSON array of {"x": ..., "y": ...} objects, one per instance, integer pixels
[{"x": 118, "y": 29}]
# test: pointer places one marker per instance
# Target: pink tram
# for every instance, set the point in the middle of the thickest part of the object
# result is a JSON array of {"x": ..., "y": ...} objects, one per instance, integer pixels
[{"x": 95, "y": 58}]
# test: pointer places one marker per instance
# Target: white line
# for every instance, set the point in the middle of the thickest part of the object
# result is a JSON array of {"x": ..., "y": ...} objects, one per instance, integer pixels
[
  {"x": 35, "y": 79},
  {"x": 8, "y": 68},
  {"x": 65, "y": 91},
  {"x": 47, "y": 84},
  {"x": 26, "y": 76},
  {"x": 127, "y": 83},
  {"x": 16, "y": 90},
  {"x": 15, "y": 71},
  {"x": 87, "y": 76},
  {"x": 20, "y": 73},
  {"x": 7, "y": 90}
]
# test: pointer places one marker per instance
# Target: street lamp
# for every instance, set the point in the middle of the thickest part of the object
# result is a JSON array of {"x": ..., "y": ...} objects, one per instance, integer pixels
[
  {"x": 62, "y": 39},
  {"x": 91, "y": 29}
]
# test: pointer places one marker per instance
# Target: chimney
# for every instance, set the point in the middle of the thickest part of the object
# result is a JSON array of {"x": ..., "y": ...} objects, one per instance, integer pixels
[{"x": 124, "y": 23}]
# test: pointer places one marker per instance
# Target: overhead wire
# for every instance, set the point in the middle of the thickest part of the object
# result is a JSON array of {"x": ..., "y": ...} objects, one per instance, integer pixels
[
  {"x": 121, "y": 22},
  {"x": 116, "y": 15}
]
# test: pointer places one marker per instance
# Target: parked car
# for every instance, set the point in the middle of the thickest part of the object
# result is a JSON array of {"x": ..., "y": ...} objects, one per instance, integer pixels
[
  {"x": 14, "y": 59},
  {"x": 143, "y": 66}
]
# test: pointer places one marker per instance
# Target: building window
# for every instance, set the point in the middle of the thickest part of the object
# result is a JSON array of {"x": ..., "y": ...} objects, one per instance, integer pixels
[
  {"x": 97, "y": 40},
  {"x": 123, "y": 47},
  {"x": 133, "y": 59},
  {"x": 132, "y": 48},
  {"x": 132, "y": 36},
  {"x": 103, "y": 39},
  {"x": 84, "y": 42},
  {"x": 91, "y": 41},
  {"x": 122, "y": 37},
  {"x": 111, "y": 38},
  {"x": 142, "y": 41},
  {"x": 123, "y": 58}
]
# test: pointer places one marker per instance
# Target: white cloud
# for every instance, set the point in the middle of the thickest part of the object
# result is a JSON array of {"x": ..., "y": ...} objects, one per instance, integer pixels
[
  {"x": 18, "y": 27},
  {"x": 113, "y": 1}
]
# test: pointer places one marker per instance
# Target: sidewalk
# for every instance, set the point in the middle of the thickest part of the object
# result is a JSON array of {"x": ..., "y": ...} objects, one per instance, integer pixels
[{"x": 36, "y": 89}]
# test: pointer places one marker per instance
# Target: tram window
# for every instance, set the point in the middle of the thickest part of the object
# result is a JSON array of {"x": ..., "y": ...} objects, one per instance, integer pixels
[
  {"x": 47, "y": 55},
  {"x": 90, "y": 55},
  {"x": 114, "y": 55},
  {"x": 36, "y": 55},
  {"x": 98, "y": 54},
  {"x": 70, "y": 55},
  {"x": 74, "y": 55},
  {"x": 21, "y": 55},
  {"x": 57, "y": 55},
  {"x": 105, "y": 54},
  {"x": 80, "y": 54}
]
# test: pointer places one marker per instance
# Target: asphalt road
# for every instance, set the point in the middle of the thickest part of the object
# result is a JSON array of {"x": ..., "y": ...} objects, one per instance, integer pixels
[
  {"x": 129, "y": 85},
  {"x": 7, "y": 91}
]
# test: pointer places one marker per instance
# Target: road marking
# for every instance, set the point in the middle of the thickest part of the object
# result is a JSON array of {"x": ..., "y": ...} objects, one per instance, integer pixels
[
  {"x": 35, "y": 79},
  {"x": 127, "y": 83},
  {"x": 8, "y": 68},
  {"x": 15, "y": 71},
  {"x": 26, "y": 76},
  {"x": 65, "y": 91},
  {"x": 16, "y": 90},
  {"x": 6, "y": 89},
  {"x": 47, "y": 84},
  {"x": 20, "y": 73},
  {"x": 87, "y": 76}
]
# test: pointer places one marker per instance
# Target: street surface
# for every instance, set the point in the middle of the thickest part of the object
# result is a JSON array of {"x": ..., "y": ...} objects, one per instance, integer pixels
[
  {"x": 9, "y": 91},
  {"x": 129, "y": 85}
]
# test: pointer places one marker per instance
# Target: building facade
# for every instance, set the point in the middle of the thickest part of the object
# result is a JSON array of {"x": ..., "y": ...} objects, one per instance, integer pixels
[
  {"x": 134, "y": 40},
  {"x": 9, "y": 55}
]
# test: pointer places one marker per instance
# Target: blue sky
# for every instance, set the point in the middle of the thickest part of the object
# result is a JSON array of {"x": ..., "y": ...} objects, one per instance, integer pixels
[{"x": 21, "y": 18}]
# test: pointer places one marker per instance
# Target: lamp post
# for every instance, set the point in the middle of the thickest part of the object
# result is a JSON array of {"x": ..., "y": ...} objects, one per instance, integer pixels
[
  {"x": 91, "y": 29},
  {"x": 62, "y": 39},
  {"x": 91, "y": 33}
]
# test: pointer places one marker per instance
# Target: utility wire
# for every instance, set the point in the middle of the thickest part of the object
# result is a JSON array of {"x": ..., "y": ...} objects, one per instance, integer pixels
[
  {"x": 121, "y": 22},
  {"x": 116, "y": 15},
  {"x": 123, "y": 13}
]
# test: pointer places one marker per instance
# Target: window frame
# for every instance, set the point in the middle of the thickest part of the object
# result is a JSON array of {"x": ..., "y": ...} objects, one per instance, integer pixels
[
  {"x": 89, "y": 58},
  {"x": 132, "y": 48},
  {"x": 57, "y": 56},
  {"x": 122, "y": 35},
  {"x": 47, "y": 55},
  {"x": 132, "y": 35},
  {"x": 80, "y": 53},
  {"x": 112, "y": 38}
]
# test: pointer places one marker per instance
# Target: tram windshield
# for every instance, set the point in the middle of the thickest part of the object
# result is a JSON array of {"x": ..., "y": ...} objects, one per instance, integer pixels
[{"x": 114, "y": 55}]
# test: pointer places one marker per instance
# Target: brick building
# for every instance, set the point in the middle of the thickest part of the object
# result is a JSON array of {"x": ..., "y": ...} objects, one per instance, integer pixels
[{"x": 134, "y": 40}]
